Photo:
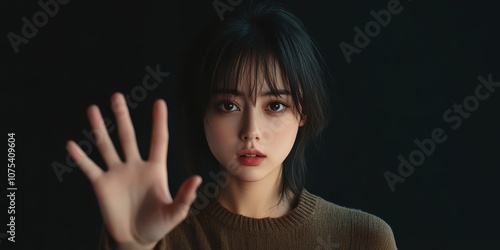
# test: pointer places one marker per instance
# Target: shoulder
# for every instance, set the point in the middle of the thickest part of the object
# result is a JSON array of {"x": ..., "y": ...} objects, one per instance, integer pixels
[{"x": 366, "y": 229}]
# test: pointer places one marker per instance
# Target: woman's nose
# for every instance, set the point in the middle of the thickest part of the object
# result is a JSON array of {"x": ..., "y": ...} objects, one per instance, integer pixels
[{"x": 250, "y": 126}]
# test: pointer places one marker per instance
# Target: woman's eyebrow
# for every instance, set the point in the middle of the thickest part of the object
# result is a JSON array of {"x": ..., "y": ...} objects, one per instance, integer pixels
[{"x": 239, "y": 93}]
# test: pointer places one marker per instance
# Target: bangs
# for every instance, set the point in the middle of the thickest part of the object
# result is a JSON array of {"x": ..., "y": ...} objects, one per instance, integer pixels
[{"x": 249, "y": 69}]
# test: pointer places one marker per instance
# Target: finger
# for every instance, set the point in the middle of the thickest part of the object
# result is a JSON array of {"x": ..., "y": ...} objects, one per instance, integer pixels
[
  {"x": 125, "y": 128},
  {"x": 159, "y": 137},
  {"x": 179, "y": 209},
  {"x": 88, "y": 167},
  {"x": 101, "y": 135}
]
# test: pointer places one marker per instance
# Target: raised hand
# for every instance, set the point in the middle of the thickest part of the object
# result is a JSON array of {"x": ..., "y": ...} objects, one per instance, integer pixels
[{"x": 133, "y": 194}]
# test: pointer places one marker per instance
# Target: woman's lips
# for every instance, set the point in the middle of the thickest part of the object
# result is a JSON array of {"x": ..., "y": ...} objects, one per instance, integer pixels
[
  {"x": 249, "y": 160},
  {"x": 250, "y": 151},
  {"x": 250, "y": 157}
]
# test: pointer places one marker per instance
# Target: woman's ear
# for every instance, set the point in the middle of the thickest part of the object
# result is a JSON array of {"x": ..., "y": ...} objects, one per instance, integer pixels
[{"x": 302, "y": 120}]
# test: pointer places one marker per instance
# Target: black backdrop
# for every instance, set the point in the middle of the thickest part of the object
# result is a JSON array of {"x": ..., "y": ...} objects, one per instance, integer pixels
[{"x": 395, "y": 90}]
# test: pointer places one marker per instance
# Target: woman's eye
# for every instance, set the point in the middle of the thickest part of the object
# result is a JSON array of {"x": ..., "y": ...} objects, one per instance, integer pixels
[
  {"x": 277, "y": 106},
  {"x": 228, "y": 106}
]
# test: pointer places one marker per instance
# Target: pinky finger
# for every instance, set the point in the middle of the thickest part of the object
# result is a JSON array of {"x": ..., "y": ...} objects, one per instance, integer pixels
[{"x": 88, "y": 167}]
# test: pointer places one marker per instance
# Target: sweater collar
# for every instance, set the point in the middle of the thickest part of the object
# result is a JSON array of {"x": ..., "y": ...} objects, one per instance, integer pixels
[{"x": 297, "y": 216}]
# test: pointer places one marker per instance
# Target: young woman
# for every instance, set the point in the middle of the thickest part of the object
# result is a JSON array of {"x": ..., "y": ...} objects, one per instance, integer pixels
[{"x": 257, "y": 99}]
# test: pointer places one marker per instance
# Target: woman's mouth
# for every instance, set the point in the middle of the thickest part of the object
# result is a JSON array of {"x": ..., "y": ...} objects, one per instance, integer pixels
[{"x": 250, "y": 157}]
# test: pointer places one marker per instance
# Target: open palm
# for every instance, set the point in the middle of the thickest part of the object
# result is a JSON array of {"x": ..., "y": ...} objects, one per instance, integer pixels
[{"x": 133, "y": 195}]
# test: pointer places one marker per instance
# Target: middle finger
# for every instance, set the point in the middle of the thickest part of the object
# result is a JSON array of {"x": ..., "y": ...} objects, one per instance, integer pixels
[{"x": 126, "y": 131}]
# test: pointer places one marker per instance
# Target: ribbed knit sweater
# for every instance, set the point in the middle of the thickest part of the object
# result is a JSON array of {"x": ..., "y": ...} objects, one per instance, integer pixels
[{"x": 313, "y": 224}]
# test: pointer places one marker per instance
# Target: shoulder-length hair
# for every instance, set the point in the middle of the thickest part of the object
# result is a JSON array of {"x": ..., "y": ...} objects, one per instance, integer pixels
[{"x": 261, "y": 34}]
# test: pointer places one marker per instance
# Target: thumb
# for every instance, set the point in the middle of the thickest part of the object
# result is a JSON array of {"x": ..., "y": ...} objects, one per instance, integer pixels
[{"x": 178, "y": 210}]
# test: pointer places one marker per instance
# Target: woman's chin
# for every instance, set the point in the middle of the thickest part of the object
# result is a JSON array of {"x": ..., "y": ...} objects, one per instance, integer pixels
[{"x": 252, "y": 174}]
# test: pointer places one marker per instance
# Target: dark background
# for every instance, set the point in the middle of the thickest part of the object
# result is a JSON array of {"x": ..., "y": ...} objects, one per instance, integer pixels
[{"x": 395, "y": 91}]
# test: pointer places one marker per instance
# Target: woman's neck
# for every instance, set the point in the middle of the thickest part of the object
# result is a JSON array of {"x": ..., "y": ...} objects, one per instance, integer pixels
[{"x": 259, "y": 199}]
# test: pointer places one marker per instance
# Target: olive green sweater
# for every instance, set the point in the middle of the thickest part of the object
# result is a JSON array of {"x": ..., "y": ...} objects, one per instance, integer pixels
[{"x": 313, "y": 224}]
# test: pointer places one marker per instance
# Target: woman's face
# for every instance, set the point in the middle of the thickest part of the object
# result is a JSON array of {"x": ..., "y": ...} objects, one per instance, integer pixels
[{"x": 237, "y": 123}]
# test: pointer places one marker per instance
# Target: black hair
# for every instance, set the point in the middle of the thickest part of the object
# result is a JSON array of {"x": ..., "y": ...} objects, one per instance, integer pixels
[{"x": 259, "y": 35}]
